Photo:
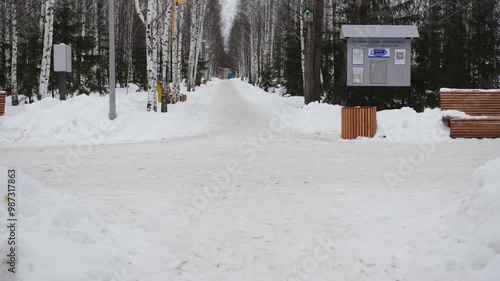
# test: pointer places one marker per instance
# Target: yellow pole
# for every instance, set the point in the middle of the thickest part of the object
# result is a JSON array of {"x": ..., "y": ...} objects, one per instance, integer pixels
[
  {"x": 159, "y": 87},
  {"x": 173, "y": 18}
]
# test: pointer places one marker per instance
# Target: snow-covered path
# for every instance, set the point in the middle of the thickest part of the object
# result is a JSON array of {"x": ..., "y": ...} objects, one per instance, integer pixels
[{"x": 249, "y": 202}]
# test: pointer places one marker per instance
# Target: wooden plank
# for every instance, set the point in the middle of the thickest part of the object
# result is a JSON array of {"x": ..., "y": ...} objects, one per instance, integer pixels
[
  {"x": 358, "y": 122},
  {"x": 474, "y": 128},
  {"x": 3, "y": 98},
  {"x": 472, "y": 102}
]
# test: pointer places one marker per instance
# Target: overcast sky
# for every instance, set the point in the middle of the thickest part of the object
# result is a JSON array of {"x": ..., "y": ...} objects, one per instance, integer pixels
[{"x": 228, "y": 14}]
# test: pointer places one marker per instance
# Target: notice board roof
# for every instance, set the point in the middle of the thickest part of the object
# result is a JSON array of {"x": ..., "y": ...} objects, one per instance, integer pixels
[{"x": 379, "y": 31}]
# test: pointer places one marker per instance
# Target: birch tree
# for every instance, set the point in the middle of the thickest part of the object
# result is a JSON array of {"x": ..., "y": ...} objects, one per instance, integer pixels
[
  {"x": 48, "y": 35},
  {"x": 199, "y": 37},
  {"x": 195, "y": 7},
  {"x": 166, "y": 40},
  {"x": 7, "y": 39},
  {"x": 178, "y": 14},
  {"x": 151, "y": 50},
  {"x": 13, "y": 75}
]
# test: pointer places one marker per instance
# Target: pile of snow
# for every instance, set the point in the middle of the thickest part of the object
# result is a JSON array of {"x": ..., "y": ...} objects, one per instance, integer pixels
[
  {"x": 56, "y": 238},
  {"x": 466, "y": 245},
  {"x": 400, "y": 124},
  {"x": 85, "y": 119},
  {"x": 407, "y": 124},
  {"x": 483, "y": 213},
  {"x": 319, "y": 118},
  {"x": 325, "y": 119}
]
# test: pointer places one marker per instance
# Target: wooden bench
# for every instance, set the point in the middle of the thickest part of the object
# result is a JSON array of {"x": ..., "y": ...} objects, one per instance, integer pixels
[{"x": 485, "y": 105}]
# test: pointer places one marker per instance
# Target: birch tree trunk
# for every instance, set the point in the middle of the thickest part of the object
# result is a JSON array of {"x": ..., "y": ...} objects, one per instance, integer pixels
[
  {"x": 199, "y": 43},
  {"x": 178, "y": 51},
  {"x": 302, "y": 43},
  {"x": 13, "y": 75},
  {"x": 192, "y": 45},
  {"x": 165, "y": 42},
  {"x": 8, "y": 37},
  {"x": 151, "y": 50},
  {"x": 47, "y": 49},
  {"x": 175, "y": 42},
  {"x": 151, "y": 53}
]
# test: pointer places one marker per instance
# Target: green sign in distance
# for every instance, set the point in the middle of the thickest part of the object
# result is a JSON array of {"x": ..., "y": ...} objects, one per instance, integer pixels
[{"x": 308, "y": 15}]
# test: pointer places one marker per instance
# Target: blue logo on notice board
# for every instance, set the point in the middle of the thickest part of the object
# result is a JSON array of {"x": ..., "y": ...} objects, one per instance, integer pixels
[{"x": 379, "y": 53}]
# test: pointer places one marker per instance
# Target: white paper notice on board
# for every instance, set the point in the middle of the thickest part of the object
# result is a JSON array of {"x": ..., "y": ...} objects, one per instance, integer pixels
[
  {"x": 357, "y": 57},
  {"x": 400, "y": 57},
  {"x": 357, "y": 75}
]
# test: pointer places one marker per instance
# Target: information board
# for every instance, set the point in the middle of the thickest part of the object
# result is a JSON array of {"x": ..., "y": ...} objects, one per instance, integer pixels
[{"x": 378, "y": 62}]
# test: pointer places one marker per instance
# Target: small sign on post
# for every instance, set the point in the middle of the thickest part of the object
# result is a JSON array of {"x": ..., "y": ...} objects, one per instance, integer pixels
[
  {"x": 308, "y": 16},
  {"x": 62, "y": 64}
]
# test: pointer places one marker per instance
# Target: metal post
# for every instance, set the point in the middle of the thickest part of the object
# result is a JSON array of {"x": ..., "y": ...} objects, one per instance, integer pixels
[
  {"x": 112, "y": 77},
  {"x": 62, "y": 85},
  {"x": 346, "y": 103},
  {"x": 409, "y": 97}
]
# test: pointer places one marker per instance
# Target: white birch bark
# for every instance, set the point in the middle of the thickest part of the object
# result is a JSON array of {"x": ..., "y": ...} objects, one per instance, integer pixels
[
  {"x": 178, "y": 51},
  {"x": 255, "y": 57},
  {"x": 199, "y": 43},
  {"x": 47, "y": 49},
  {"x": 150, "y": 55},
  {"x": 165, "y": 41},
  {"x": 8, "y": 38},
  {"x": 175, "y": 42},
  {"x": 271, "y": 33},
  {"x": 13, "y": 66},
  {"x": 151, "y": 50},
  {"x": 192, "y": 45},
  {"x": 302, "y": 42}
]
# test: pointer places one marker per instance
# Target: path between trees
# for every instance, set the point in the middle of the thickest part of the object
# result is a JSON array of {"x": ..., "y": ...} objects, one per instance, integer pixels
[{"x": 227, "y": 206}]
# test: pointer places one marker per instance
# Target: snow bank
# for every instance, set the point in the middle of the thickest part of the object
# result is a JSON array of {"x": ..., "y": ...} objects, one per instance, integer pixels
[
  {"x": 325, "y": 120},
  {"x": 56, "y": 238},
  {"x": 319, "y": 118},
  {"x": 483, "y": 213},
  {"x": 85, "y": 119},
  {"x": 407, "y": 124},
  {"x": 402, "y": 124}
]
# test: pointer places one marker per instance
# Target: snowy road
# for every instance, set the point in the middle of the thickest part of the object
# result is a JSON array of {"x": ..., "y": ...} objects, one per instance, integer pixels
[{"x": 246, "y": 202}]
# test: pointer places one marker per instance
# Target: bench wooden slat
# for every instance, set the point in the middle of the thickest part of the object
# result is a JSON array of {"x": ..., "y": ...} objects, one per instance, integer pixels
[
  {"x": 472, "y": 102},
  {"x": 474, "y": 128}
]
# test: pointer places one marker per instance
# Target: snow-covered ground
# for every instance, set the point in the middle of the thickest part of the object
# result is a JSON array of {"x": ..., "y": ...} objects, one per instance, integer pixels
[
  {"x": 239, "y": 184},
  {"x": 85, "y": 119}
]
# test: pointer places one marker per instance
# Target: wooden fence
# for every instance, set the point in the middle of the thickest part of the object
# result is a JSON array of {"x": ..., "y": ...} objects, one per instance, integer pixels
[{"x": 359, "y": 122}]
